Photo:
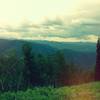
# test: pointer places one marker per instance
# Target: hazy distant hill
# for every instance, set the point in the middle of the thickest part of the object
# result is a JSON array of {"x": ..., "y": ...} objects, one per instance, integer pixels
[
  {"x": 82, "y": 54},
  {"x": 77, "y": 46}
]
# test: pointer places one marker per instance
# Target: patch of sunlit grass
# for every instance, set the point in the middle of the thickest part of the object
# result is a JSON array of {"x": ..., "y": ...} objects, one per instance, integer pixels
[{"x": 89, "y": 91}]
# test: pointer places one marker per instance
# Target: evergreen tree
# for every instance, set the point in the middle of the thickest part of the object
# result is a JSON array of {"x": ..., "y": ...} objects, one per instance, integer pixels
[
  {"x": 28, "y": 65},
  {"x": 61, "y": 69},
  {"x": 41, "y": 63},
  {"x": 97, "y": 73}
]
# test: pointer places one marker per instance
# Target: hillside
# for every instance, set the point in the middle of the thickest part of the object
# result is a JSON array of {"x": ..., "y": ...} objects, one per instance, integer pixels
[
  {"x": 89, "y": 91},
  {"x": 76, "y": 46},
  {"x": 82, "y": 54}
]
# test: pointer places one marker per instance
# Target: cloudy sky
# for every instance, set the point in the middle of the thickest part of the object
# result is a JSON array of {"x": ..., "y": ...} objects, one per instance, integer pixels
[{"x": 52, "y": 20}]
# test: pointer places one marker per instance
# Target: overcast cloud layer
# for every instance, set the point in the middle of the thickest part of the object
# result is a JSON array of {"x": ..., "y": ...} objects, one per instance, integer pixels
[{"x": 79, "y": 22}]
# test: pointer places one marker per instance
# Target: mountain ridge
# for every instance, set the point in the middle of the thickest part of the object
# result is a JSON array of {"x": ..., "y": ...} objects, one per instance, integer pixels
[{"x": 82, "y": 54}]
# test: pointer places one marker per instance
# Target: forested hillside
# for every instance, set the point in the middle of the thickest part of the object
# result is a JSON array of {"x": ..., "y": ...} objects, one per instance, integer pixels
[
  {"x": 30, "y": 69},
  {"x": 81, "y": 54}
]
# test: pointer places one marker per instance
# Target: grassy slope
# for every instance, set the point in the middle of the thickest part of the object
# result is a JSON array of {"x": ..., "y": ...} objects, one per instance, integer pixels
[{"x": 89, "y": 91}]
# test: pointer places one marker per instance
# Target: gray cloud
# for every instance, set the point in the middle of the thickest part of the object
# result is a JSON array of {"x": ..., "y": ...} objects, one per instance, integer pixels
[{"x": 80, "y": 25}]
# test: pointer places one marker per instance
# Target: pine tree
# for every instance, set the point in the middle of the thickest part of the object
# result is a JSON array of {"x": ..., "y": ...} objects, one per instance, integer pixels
[
  {"x": 97, "y": 73},
  {"x": 28, "y": 69}
]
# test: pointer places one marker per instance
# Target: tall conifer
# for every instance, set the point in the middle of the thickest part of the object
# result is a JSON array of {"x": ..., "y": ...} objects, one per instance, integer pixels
[{"x": 97, "y": 73}]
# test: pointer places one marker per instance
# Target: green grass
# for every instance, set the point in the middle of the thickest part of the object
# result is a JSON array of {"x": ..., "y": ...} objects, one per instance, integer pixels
[{"x": 90, "y": 91}]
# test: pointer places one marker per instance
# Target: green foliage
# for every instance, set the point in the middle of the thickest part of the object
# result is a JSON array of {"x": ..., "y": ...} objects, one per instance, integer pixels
[
  {"x": 82, "y": 92},
  {"x": 28, "y": 65},
  {"x": 9, "y": 70},
  {"x": 19, "y": 72}
]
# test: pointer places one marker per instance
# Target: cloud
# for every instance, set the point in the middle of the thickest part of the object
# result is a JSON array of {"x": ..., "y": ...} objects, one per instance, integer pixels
[
  {"x": 53, "y": 39},
  {"x": 79, "y": 26},
  {"x": 54, "y": 30},
  {"x": 91, "y": 38},
  {"x": 8, "y": 35}
]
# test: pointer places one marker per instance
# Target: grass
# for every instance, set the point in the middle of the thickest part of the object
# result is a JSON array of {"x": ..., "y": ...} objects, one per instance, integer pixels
[{"x": 90, "y": 91}]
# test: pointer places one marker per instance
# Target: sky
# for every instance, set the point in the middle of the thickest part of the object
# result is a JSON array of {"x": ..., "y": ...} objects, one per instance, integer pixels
[{"x": 51, "y": 20}]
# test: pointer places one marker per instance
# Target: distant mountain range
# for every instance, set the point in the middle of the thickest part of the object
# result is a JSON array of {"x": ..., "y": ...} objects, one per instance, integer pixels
[{"x": 82, "y": 54}]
